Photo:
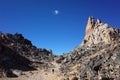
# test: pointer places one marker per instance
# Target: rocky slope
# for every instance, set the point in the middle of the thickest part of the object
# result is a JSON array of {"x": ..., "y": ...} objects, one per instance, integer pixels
[
  {"x": 97, "y": 58},
  {"x": 18, "y": 54}
]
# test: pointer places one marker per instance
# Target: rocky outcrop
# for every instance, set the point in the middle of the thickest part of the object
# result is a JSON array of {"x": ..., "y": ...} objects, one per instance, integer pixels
[
  {"x": 96, "y": 32},
  {"x": 89, "y": 27},
  {"x": 98, "y": 57}
]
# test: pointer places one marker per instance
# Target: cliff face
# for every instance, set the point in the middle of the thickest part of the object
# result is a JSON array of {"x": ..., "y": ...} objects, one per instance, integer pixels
[{"x": 97, "y": 32}]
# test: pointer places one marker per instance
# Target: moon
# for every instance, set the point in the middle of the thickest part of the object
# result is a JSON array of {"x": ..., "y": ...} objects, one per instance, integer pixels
[{"x": 56, "y": 12}]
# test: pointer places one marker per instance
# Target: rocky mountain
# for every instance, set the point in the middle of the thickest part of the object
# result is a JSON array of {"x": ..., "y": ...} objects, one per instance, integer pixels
[
  {"x": 18, "y": 53},
  {"x": 97, "y": 58}
]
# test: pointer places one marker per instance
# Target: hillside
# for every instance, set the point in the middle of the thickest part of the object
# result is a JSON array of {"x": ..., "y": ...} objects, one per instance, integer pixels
[
  {"x": 97, "y": 58},
  {"x": 18, "y": 53}
]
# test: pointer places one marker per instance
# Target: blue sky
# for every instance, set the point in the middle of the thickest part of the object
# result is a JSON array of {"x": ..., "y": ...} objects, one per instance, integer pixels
[{"x": 61, "y": 32}]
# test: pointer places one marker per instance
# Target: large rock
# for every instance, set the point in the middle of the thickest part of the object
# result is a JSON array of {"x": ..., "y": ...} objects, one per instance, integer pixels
[
  {"x": 89, "y": 27},
  {"x": 14, "y": 73},
  {"x": 97, "y": 32}
]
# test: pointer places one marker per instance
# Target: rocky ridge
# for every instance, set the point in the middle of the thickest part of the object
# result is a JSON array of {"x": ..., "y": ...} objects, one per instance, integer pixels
[
  {"x": 18, "y": 53},
  {"x": 98, "y": 57}
]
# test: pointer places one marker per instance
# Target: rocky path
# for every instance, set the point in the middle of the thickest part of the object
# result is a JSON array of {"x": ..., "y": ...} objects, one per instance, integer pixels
[{"x": 40, "y": 74}]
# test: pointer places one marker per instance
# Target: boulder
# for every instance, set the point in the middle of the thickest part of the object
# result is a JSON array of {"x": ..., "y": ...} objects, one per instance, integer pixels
[{"x": 14, "y": 73}]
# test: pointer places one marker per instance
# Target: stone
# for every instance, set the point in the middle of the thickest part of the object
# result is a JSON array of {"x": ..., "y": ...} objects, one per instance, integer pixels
[
  {"x": 16, "y": 72},
  {"x": 74, "y": 78},
  {"x": 89, "y": 27},
  {"x": 98, "y": 21}
]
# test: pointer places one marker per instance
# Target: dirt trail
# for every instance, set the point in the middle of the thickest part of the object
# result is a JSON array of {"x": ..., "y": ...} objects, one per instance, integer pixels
[{"x": 40, "y": 74}]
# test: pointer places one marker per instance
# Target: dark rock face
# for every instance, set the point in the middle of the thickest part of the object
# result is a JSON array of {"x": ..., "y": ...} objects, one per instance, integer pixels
[
  {"x": 18, "y": 53},
  {"x": 9, "y": 59}
]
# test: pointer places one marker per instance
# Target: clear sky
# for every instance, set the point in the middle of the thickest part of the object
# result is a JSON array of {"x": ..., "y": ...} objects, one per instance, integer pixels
[{"x": 55, "y": 24}]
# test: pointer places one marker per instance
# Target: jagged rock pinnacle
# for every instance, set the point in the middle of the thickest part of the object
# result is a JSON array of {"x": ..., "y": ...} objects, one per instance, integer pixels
[
  {"x": 96, "y": 32},
  {"x": 89, "y": 27},
  {"x": 98, "y": 21}
]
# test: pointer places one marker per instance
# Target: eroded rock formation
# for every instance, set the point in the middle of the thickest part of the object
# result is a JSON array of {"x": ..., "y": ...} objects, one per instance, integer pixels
[
  {"x": 96, "y": 32},
  {"x": 98, "y": 57}
]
